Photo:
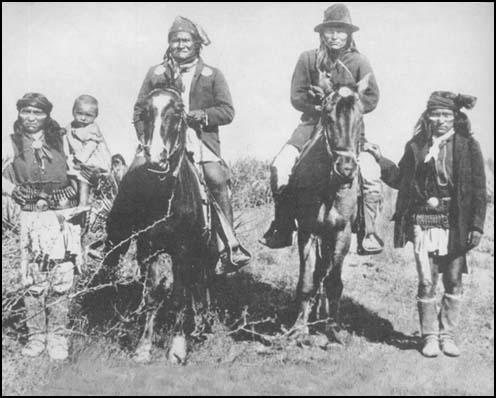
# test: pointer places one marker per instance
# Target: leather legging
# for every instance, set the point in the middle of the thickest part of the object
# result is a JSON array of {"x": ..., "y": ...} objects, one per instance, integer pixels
[
  {"x": 452, "y": 269},
  {"x": 217, "y": 178}
]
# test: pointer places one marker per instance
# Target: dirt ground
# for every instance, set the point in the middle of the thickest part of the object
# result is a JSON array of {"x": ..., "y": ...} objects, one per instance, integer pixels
[{"x": 380, "y": 334}]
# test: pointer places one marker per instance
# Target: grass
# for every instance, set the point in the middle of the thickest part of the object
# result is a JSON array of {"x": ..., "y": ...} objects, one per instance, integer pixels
[{"x": 380, "y": 330}]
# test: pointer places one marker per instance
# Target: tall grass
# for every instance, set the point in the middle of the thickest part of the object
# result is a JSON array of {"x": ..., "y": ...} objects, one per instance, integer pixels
[{"x": 250, "y": 183}]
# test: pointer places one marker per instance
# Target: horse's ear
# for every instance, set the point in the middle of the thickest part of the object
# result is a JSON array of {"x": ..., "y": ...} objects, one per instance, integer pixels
[{"x": 363, "y": 83}]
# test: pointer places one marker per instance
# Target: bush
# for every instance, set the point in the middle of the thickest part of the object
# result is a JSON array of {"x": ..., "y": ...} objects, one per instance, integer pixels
[{"x": 250, "y": 183}]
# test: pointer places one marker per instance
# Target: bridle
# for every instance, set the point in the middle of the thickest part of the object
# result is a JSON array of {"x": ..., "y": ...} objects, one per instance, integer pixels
[
  {"x": 165, "y": 164},
  {"x": 336, "y": 154}
]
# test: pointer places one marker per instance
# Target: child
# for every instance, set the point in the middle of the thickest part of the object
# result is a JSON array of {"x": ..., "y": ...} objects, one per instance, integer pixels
[{"x": 86, "y": 145}]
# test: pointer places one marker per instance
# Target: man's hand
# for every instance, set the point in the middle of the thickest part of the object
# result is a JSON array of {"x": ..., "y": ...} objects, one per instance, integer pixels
[
  {"x": 316, "y": 93},
  {"x": 196, "y": 118},
  {"x": 474, "y": 238},
  {"x": 373, "y": 149},
  {"x": 20, "y": 195}
]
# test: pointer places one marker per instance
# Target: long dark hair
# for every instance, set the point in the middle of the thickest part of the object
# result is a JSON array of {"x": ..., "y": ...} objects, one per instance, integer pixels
[
  {"x": 461, "y": 125},
  {"x": 53, "y": 135}
]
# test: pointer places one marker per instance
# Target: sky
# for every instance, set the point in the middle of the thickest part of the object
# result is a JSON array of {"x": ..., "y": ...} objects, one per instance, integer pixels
[{"x": 105, "y": 49}]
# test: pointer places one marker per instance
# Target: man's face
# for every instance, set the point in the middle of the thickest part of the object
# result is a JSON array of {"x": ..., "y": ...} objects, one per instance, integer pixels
[
  {"x": 32, "y": 119},
  {"x": 182, "y": 46},
  {"x": 441, "y": 120},
  {"x": 335, "y": 37},
  {"x": 84, "y": 113}
]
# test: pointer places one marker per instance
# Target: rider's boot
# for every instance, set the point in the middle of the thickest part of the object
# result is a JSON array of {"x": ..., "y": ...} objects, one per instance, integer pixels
[
  {"x": 233, "y": 256},
  {"x": 280, "y": 232}
]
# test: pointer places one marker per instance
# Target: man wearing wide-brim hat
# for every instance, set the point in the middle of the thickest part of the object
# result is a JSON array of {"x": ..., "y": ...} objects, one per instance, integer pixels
[{"x": 336, "y": 62}]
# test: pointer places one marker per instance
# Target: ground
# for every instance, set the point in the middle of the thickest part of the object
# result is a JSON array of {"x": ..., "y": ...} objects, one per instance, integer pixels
[{"x": 379, "y": 354}]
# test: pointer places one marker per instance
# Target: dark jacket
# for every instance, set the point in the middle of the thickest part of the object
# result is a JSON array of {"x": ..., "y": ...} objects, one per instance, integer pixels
[
  {"x": 306, "y": 74},
  {"x": 209, "y": 92},
  {"x": 468, "y": 203}
]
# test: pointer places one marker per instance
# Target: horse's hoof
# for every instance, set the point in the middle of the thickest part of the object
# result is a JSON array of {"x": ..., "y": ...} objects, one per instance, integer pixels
[
  {"x": 333, "y": 335},
  {"x": 321, "y": 341},
  {"x": 143, "y": 353},
  {"x": 178, "y": 350}
]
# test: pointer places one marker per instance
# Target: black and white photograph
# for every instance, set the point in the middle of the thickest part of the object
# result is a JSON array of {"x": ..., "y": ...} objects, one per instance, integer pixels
[{"x": 247, "y": 198}]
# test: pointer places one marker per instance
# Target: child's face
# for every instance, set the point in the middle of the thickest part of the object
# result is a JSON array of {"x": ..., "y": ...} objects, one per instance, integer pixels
[{"x": 85, "y": 114}]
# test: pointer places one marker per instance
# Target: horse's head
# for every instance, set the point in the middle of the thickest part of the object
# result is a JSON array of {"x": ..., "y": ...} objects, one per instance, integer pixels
[
  {"x": 164, "y": 126},
  {"x": 342, "y": 119}
]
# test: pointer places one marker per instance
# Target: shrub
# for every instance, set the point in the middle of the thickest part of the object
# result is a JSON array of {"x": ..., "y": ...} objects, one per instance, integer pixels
[{"x": 250, "y": 183}]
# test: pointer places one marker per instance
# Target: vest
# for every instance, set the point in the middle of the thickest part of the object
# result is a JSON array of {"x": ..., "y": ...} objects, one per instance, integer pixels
[{"x": 49, "y": 180}]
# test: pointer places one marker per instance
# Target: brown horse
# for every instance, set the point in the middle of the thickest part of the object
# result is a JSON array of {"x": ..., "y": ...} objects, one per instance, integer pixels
[
  {"x": 161, "y": 201},
  {"x": 326, "y": 190}
]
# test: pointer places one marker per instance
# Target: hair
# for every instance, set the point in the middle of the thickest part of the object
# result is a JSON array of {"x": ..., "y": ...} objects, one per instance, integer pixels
[
  {"x": 36, "y": 100},
  {"x": 85, "y": 99},
  {"x": 119, "y": 157},
  {"x": 53, "y": 135}
]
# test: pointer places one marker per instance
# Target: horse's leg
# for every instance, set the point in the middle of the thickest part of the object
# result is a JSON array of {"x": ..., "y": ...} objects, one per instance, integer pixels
[
  {"x": 332, "y": 283},
  {"x": 116, "y": 245},
  {"x": 119, "y": 228},
  {"x": 182, "y": 296},
  {"x": 309, "y": 246},
  {"x": 152, "y": 299},
  {"x": 201, "y": 286}
]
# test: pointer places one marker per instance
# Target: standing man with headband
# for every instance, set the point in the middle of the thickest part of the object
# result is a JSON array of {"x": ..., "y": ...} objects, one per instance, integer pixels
[{"x": 441, "y": 208}]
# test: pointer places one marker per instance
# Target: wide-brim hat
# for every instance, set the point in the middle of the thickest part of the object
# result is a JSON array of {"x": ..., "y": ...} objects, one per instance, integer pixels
[{"x": 338, "y": 16}]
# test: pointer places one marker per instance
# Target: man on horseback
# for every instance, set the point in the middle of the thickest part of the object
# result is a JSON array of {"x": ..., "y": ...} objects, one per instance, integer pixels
[
  {"x": 208, "y": 105},
  {"x": 336, "y": 63}
]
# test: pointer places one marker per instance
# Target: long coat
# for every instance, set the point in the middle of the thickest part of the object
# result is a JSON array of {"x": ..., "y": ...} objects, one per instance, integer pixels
[
  {"x": 351, "y": 67},
  {"x": 468, "y": 203},
  {"x": 209, "y": 92}
]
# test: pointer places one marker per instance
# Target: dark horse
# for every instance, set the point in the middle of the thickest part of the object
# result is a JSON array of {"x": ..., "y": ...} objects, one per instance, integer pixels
[
  {"x": 326, "y": 189},
  {"x": 162, "y": 202}
]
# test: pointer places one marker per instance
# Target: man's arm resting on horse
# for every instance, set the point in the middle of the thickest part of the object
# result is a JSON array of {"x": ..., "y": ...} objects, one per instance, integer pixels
[{"x": 390, "y": 172}]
